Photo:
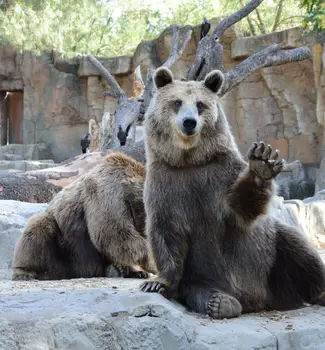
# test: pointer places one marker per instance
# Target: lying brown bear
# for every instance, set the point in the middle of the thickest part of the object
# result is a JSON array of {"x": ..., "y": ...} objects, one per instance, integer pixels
[{"x": 95, "y": 222}]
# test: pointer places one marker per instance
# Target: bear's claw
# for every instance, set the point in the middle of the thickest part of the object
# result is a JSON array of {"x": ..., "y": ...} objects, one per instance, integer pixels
[
  {"x": 153, "y": 287},
  {"x": 263, "y": 162}
]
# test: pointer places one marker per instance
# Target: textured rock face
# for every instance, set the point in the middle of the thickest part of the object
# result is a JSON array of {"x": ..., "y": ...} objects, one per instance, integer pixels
[
  {"x": 24, "y": 152},
  {"x": 308, "y": 215},
  {"x": 13, "y": 216},
  {"x": 52, "y": 101},
  {"x": 9, "y": 69},
  {"x": 282, "y": 105},
  {"x": 25, "y": 165},
  {"x": 112, "y": 314}
]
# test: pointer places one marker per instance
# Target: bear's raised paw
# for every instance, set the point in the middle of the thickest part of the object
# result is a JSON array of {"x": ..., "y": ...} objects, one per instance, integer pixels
[{"x": 263, "y": 162}]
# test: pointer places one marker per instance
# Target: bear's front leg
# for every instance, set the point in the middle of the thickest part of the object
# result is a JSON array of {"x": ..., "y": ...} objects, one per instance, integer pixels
[
  {"x": 252, "y": 191},
  {"x": 168, "y": 246}
]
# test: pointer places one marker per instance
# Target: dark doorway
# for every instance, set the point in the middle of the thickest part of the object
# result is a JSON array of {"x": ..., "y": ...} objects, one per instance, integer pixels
[
  {"x": 15, "y": 112},
  {"x": 11, "y": 117}
]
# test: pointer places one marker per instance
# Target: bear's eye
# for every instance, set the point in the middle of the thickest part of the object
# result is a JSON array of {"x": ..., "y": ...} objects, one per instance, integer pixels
[
  {"x": 177, "y": 105},
  {"x": 200, "y": 106}
]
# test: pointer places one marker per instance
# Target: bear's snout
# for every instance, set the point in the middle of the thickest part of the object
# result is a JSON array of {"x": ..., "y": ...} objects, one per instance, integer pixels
[
  {"x": 188, "y": 120},
  {"x": 189, "y": 124}
]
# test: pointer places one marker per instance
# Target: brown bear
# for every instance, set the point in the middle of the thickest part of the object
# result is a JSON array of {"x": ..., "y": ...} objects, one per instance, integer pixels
[
  {"x": 214, "y": 245},
  {"x": 96, "y": 221}
]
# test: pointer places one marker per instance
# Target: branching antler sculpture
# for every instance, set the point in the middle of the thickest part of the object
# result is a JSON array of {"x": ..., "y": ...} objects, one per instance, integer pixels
[
  {"x": 129, "y": 110},
  {"x": 209, "y": 56}
]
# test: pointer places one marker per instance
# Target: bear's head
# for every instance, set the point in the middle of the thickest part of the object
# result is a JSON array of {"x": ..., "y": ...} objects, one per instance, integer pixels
[{"x": 185, "y": 124}]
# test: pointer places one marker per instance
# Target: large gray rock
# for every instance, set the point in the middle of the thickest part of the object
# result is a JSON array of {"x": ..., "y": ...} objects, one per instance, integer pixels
[
  {"x": 112, "y": 314},
  {"x": 24, "y": 152},
  {"x": 13, "y": 217},
  {"x": 308, "y": 215},
  {"x": 246, "y": 46},
  {"x": 25, "y": 165},
  {"x": 115, "y": 65}
]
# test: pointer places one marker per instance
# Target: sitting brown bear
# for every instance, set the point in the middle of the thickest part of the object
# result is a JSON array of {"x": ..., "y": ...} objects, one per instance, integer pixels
[
  {"x": 96, "y": 221},
  {"x": 214, "y": 246}
]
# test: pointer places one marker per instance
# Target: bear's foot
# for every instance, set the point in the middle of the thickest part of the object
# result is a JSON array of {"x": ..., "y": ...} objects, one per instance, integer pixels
[
  {"x": 154, "y": 286},
  {"x": 223, "y": 306},
  {"x": 20, "y": 274},
  {"x": 117, "y": 270},
  {"x": 263, "y": 162}
]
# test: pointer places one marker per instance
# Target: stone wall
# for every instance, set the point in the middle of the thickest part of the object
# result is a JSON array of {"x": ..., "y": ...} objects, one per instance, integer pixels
[{"x": 283, "y": 105}]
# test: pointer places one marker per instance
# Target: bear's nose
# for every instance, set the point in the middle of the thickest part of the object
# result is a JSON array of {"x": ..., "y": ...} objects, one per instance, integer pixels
[{"x": 189, "y": 124}]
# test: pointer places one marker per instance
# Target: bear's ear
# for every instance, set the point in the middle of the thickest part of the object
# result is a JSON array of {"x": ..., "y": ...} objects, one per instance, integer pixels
[
  {"x": 163, "y": 76},
  {"x": 214, "y": 80}
]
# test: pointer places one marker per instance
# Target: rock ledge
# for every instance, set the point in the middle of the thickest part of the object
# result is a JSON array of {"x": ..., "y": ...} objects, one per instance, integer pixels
[{"x": 112, "y": 314}]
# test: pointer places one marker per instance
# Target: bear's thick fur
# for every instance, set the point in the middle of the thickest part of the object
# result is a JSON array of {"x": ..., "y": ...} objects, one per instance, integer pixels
[
  {"x": 96, "y": 221},
  {"x": 213, "y": 243}
]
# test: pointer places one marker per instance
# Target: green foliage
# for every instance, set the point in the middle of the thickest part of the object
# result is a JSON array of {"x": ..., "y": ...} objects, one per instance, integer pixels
[
  {"x": 315, "y": 14},
  {"x": 115, "y": 27},
  {"x": 270, "y": 16}
]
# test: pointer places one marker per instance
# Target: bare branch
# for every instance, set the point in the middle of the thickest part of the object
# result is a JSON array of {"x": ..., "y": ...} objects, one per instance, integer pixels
[
  {"x": 270, "y": 56},
  {"x": 177, "y": 47},
  {"x": 205, "y": 27},
  {"x": 235, "y": 17},
  {"x": 176, "y": 52},
  {"x": 116, "y": 89},
  {"x": 209, "y": 56},
  {"x": 148, "y": 90}
]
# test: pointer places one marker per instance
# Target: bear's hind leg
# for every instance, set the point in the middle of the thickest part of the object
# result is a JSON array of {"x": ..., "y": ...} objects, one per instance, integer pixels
[
  {"x": 37, "y": 255},
  {"x": 208, "y": 300},
  {"x": 298, "y": 274}
]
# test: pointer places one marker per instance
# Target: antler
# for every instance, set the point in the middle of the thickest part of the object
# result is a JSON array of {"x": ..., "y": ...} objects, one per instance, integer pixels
[
  {"x": 116, "y": 89},
  {"x": 209, "y": 54},
  {"x": 178, "y": 46},
  {"x": 223, "y": 25},
  {"x": 177, "y": 49},
  {"x": 270, "y": 56}
]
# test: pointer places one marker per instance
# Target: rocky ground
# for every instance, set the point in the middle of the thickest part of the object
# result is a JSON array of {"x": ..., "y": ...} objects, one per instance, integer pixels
[{"x": 112, "y": 314}]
